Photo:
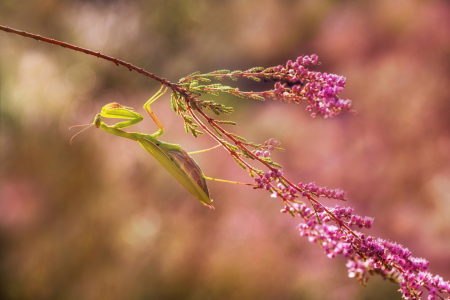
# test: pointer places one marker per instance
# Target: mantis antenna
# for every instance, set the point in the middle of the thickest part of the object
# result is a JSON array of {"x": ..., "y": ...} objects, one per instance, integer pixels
[{"x": 79, "y": 131}]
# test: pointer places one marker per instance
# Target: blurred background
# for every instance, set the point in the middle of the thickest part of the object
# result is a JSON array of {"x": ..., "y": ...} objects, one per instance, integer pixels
[{"x": 101, "y": 219}]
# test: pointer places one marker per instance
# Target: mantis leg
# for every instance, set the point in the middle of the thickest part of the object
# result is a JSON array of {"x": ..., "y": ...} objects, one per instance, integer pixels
[
  {"x": 115, "y": 110},
  {"x": 204, "y": 150},
  {"x": 150, "y": 112},
  {"x": 227, "y": 181}
]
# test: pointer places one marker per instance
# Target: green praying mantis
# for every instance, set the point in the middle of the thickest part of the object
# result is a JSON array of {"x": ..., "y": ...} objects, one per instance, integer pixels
[{"x": 171, "y": 156}]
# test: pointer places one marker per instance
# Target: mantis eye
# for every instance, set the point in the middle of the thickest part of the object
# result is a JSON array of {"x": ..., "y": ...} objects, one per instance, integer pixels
[{"x": 97, "y": 120}]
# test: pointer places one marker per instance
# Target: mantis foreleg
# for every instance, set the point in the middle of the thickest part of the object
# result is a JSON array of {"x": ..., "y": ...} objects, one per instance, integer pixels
[{"x": 150, "y": 112}]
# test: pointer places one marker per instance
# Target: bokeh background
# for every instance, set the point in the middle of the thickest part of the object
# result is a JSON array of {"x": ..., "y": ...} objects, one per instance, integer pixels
[{"x": 100, "y": 219}]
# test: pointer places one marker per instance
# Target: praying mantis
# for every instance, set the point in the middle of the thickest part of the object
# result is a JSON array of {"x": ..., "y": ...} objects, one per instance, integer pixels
[{"x": 171, "y": 156}]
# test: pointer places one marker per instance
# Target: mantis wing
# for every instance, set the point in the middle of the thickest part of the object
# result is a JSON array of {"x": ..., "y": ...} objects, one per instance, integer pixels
[
  {"x": 182, "y": 167},
  {"x": 190, "y": 167}
]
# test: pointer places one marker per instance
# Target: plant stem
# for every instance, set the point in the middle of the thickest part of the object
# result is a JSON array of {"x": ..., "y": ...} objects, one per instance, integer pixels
[{"x": 90, "y": 52}]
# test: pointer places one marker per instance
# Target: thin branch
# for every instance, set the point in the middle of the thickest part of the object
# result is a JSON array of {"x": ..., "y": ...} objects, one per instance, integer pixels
[{"x": 90, "y": 52}]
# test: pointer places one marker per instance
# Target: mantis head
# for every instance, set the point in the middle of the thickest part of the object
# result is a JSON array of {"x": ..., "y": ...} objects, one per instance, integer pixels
[{"x": 97, "y": 121}]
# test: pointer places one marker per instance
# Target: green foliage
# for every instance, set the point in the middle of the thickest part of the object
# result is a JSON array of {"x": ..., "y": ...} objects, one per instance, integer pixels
[
  {"x": 248, "y": 155},
  {"x": 238, "y": 137},
  {"x": 257, "y": 97},
  {"x": 204, "y": 79},
  {"x": 178, "y": 105},
  {"x": 195, "y": 132},
  {"x": 216, "y": 130},
  {"x": 255, "y": 69},
  {"x": 240, "y": 163},
  {"x": 190, "y": 75},
  {"x": 217, "y": 108},
  {"x": 195, "y": 88},
  {"x": 270, "y": 162},
  {"x": 220, "y": 72},
  {"x": 230, "y": 146},
  {"x": 257, "y": 79},
  {"x": 225, "y": 122}
]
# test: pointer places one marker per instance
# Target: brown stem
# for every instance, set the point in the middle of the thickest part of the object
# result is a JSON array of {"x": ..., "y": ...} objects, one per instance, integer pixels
[
  {"x": 90, "y": 52},
  {"x": 239, "y": 144}
]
